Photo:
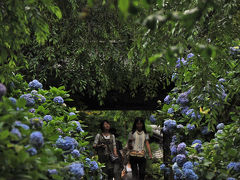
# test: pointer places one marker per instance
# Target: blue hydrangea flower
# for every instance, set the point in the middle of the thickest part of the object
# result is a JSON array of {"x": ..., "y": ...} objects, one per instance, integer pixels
[
  {"x": 189, "y": 112},
  {"x": 167, "y": 99},
  {"x": 169, "y": 125},
  {"x": 163, "y": 167},
  {"x": 205, "y": 130},
  {"x": 47, "y": 118},
  {"x": 13, "y": 100},
  {"x": 181, "y": 159},
  {"x": 188, "y": 165},
  {"x": 184, "y": 110},
  {"x": 88, "y": 161},
  {"x": 180, "y": 126},
  {"x": 58, "y": 100},
  {"x": 52, "y": 171},
  {"x": 181, "y": 148},
  {"x": 16, "y": 132},
  {"x": 180, "y": 61},
  {"x": 29, "y": 99},
  {"x": 231, "y": 165},
  {"x": 237, "y": 167},
  {"x": 152, "y": 119},
  {"x": 66, "y": 143},
  {"x": 34, "y": 92},
  {"x": 190, "y": 55},
  {"x": 189, "y": 174},
  {"x": 3, "y": 90},
  {"x": 178, "y": 174},
  {"x": 197, "y": 141},
  {"x": 220, "y": 126},
  {"x": 36, "y": 139},
  {"x": 173, "y": 150},
  {"x": 32, "y": 110},
  {"x": 78, "y": 128},
  {"x": 32, "y": 151},
  {"x": 20, "y": 124},
  {"x": 76, "y": 169},
  {"x": 39, "y": 98},
  {"x": 35, "y": 84},
  {"x": 75, "y": 153},
  {"x": 221, "y": 80},
  {"x": 196, "y": 164},
  {"x": 71, "y": 114},
  {"x": 231, "y": 178},
  {"x": 93, "y": 166},
  {"x": 170, "y": 110},
  {"x": 190, "y": 127}
]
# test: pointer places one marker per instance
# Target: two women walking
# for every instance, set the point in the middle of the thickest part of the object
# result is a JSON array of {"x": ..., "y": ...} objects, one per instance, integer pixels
[{"x": 105, "y": 144}]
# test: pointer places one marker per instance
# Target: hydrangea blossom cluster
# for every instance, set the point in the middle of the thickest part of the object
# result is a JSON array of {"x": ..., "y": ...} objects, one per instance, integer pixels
[
  {"x": 66, "y": 143},
  {"x": 93, "y": 166},
  {"x": 180, "y": 61},
  {"x": 197, "y": 144},
  {"x": 75, "y": 153},
  {"x": 36, "y": 139},
  {"x": 71, "y": 114},
  {"x": 58, "y": 99},
  {"x": 20, "y": 124},
  {"x": 181, "y": 159},
  {"x": 170, "y": 111},
  {"x": 190, "y": 127},
  {"x": 220, "y": 126},
  {"x": 13, "y": 100},
  {"x": 47, "y": 118},
  {"x": 234, "y": 50},
  {"x": 234, "y": 165},
  {"x": 76, "y": 169},
  {"x": 187, "y": 171},
  {"x": 169, "y": 126},
  {"x": 39, "y": 98},
  {"x": 152, "y": 119},
  {"x": 181, "y": 148},
  {"x": 32, "y": 110},
  {"x": 32, "y": 151},
  {"x": 16, "y": 132},
  {"x": 78, "y": 128},
  {"x": 29, "y": 99},
  {"x": 167, "y": 99},
  {"x": 35, "y": 84},
  {"x": 183, "y": 98},
  {"x": 52, "y": 171}
]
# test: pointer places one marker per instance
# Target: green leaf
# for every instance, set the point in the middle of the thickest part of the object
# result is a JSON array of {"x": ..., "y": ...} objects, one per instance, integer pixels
[{"x": 123, "y": 6}]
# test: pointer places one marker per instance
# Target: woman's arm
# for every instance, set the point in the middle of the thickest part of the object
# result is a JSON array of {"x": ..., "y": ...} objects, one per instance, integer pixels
[
  {"x": 114, "y": 146},
  {"x": 149, "y": 149}
]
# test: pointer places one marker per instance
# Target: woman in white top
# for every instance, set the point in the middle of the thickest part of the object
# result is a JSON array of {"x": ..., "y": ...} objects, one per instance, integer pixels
[{"x": 137, "y": 140}]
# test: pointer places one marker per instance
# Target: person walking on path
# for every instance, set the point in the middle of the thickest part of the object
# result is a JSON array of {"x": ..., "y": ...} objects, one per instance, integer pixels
[
  {"x": 137, "y": 140},
  {"x": 105, "y": 145}
]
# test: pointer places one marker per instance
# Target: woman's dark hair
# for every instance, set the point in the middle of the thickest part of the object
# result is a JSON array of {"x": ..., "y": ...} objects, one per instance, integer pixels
[
  {"x": 102, "y": 123},
  {"x": 134, "y": 128}
]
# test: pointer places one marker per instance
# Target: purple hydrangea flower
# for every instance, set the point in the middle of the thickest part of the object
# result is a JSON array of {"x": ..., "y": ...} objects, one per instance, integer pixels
[
  {"x": 35, "y": 84},
  {"x": 190, "y": 55},
  {"x": 29, "y": 99},
  {"x": 220, "y": 126},
  {"x": 181, "y": 159},
  {"x": 152, "y": 119},
  {"x": 66, "y": 143},
  {"x": 36, "y": 139},
  {"x": 190, "y": 127},
  {"x": 75, "y": 153},
  {"x": 76, "y": 169},
  {"x": 16, "y": 132},
  {"x": 32, "y": 110},
  {"x": 181, "y": 148},
  {"x": 32, "y": 151},
  {"x": 93, "y": 166},
  {"x": 71, "y": 114},
  {"x": 13, "y": 100},
  {"x": 47, "y": 118},
  {"x": 58, "y": 100}
]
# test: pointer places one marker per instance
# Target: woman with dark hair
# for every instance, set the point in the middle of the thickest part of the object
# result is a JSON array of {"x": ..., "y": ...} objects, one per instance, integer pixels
[
  {"x": 137, "y": 140},
  {"x": 105, "y": 145}
]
